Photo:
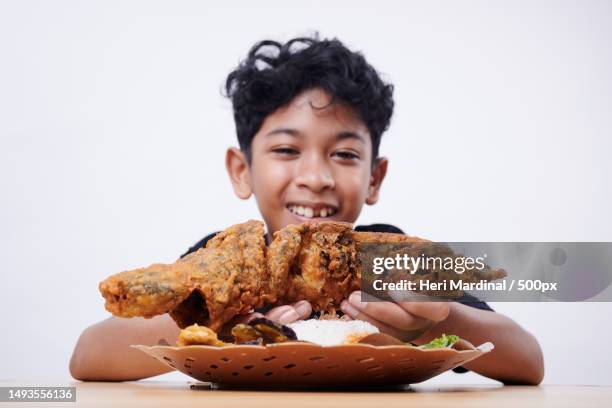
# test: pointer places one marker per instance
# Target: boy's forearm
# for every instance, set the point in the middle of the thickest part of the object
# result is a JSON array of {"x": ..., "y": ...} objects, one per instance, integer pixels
[
  {"x": 516, "y": 358},
  {"x": 103, "y": 351}
]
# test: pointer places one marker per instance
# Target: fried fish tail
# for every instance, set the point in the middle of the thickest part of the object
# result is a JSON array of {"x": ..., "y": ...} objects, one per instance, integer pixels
[
  {"x": 208, "y": 286},
  {"x": 147, "y": 292}
]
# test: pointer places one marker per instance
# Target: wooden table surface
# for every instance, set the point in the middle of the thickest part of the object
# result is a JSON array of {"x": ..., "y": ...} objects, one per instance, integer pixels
[{"x": 192, "y": 394}]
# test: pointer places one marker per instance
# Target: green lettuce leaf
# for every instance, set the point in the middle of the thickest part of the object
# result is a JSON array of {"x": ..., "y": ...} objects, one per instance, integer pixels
[{"x": 441, "y": 342}]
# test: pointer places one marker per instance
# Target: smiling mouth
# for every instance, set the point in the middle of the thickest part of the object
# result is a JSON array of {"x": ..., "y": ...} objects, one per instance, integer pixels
[{"x": 317, "y": 211}]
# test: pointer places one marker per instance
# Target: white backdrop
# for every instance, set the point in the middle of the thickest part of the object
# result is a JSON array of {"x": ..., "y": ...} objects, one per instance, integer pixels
[{"x": 113, "y": 132}]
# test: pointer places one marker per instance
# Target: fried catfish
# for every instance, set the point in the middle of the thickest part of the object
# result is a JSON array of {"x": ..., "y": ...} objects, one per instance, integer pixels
[{"x": 237, "y": 273}]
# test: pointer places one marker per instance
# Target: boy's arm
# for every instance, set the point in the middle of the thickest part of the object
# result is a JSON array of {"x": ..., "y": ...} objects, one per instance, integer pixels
[
  {"x": 103, "y": 351},
  {"x": 516, "y": 358}
]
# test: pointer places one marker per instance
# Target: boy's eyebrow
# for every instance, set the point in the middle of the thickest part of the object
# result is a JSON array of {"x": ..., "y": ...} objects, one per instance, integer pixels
[
  {"x": 287, "y": 131},
  {"x": 345, "y": 134}
]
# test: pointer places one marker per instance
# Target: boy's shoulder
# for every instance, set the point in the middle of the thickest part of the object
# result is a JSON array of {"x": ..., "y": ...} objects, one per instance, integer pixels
[
  {"x": 200, "y": 244},
  {"x": 363, "y": 228}
]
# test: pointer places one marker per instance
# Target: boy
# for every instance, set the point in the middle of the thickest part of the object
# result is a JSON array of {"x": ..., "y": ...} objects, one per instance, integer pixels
[{"x": 309, "y": 117}]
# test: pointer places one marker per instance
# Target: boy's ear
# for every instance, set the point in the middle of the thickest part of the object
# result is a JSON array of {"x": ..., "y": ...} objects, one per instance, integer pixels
[
  {"x": 238, "y": 170},
  {"x": 379, "y": 171}
]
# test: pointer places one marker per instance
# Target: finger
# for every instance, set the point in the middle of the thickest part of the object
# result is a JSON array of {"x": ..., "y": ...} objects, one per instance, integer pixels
[
  {"x": 422, "y": 305},
  {"x": 243, "y": 318},
  {"x": 276, "y": 312},
  {"x": 303, "y": 309},
  {"x": 436, "y": 311},
  {"x": 252, "y": 316},
  {"x": 283, "y": 314},
  {"x": 383, "y": 327},
  {"x": 388, "y": 313}
]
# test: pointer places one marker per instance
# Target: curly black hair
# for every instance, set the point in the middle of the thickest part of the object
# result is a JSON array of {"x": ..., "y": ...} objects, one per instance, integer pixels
[{"x": 274, "y": 73}]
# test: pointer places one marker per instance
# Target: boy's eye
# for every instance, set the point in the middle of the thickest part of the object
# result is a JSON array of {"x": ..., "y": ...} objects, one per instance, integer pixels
[
  {"x": 346, "y": 155},
  {"x": 285, "y": 151}
]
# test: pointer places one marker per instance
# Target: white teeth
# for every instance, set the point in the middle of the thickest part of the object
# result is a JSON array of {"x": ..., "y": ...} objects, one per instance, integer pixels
[{"x": 309, "y": 212}]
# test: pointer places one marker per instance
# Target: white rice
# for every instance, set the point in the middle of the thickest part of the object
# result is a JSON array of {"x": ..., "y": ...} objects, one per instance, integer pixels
[{"x": 331, "y": 332}]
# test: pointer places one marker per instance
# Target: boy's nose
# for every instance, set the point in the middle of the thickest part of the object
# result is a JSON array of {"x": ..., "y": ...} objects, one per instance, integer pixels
[{"x": 315, "y": 175}]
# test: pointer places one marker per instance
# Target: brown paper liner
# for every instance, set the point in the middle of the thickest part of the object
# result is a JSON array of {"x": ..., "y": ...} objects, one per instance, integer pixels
[{"x": 307, "y": 364}]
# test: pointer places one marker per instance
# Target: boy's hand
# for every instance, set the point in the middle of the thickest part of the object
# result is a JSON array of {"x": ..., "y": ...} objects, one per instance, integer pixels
[
  {"x": 403, "y": 320},
  {"x": 289, "y": 313},
  {"x": 281, "y": 314}
]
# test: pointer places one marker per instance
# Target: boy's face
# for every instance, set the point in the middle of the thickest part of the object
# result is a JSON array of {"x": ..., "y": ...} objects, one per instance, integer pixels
[{"x": 309, "y": 163}]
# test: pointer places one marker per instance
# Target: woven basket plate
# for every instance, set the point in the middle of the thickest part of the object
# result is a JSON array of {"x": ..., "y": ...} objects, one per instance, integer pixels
[{"x": 307, "y": 364}]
